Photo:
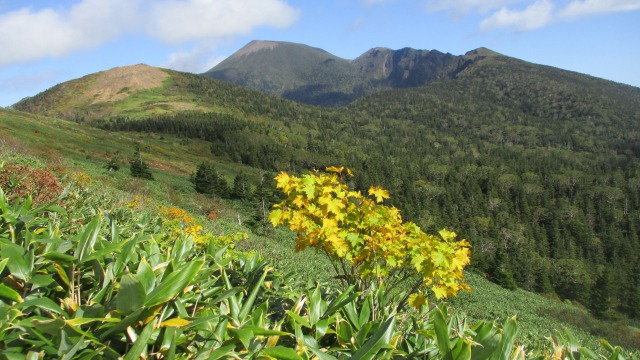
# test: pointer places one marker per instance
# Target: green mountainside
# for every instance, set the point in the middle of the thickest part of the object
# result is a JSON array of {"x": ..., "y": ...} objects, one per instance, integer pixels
[
  {"x": 314, "y": 76},
  {"x": 537, "y": 167}
]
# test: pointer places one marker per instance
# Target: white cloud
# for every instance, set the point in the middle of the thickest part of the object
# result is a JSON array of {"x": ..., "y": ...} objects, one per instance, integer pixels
[
  {"x": 28, "y": 34},
  {"x": 197, "y": 60},
  {"x": 578, "y": 8},
  {"x": 373, "y": 2},
  {"x": 464, "y": 7},
  {"x": 535, "y": 16},
  {"x": 174, "y": 21}
]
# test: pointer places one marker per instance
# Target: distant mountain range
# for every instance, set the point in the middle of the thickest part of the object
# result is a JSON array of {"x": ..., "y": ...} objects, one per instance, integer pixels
[{"x": 313, "y": 76}]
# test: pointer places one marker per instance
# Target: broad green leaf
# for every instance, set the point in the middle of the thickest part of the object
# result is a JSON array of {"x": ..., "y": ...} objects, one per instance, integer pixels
[
  {"x": 130, "y": 296},
  {"x": 17, "y": 263},
  {"x": 3, "y": 263},
  {"x": 242, "y": 334},
  {"x": 321, "y": 355},
  {"x": 442, "y": 334},
  {"x": 315, "y": 305},
  {"x": 173, "y": 284},
  {"x": 8, "y": 293},
  {"x": 141, "y": 342},
  {"x": 146, "y": 276},
  {"x": 509, "y": 331},
  {"x": 487, "y": 339},
  {"x": 87, "y": 240},
  {"x": 48, "y": 326},
  {"x": 56, "y": 256},
  {"x": 248, "y": 304},
  {"x": 380, "y": 340},
  {"x": 175, "y": 323},
  {"x": 339, "y": 302},
  {"x": 299, "y": 319},
  {"x": 281, "y": 352},
  {"x": 43, "y": 303},
  {"x": 122, "y": 325},
  {"x": 83, "y": 321},
  {"x": 215, "y": 354}
]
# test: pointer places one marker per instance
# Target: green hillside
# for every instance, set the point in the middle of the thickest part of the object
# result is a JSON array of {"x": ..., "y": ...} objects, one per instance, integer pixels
[
  {"x": 535, "y": 166},
  {"x": 82, "y": 149}
]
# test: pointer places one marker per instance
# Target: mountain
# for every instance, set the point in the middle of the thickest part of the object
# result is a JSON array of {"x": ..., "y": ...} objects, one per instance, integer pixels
[
  {"x": 314, "y": 76},
  {"x": 538, "y": 167}
]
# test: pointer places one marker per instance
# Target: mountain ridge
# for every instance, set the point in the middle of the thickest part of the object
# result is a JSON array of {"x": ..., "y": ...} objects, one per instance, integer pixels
[{"x": 314, "y": 76}]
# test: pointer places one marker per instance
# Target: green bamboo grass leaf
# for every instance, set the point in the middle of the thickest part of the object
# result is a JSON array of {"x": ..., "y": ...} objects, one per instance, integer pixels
[
  {"x": 380, "y": 340},
  {"x": 145, "y": 276},
  {"x": 130, "y": 296},
  {"x": 487, "y": 339},
  {"x": 141, "y": 342},
  {"x": 234, "y": 307},
  {"x": 222, "y": 352},
  {"x": 442, "y": 334},
  {"x": 8, "y": 293},
  {"x": 225, "y": 295},
  {"x": 299, "y": 319},
  {"x": 56, "y": 256},
  {"x": 83, "y": 321},
  {"x": 79, "y": 344},
  {"x": 509, "y": 332},
  {"x": 339, "y": 302},
  {"x": 315, "y": 305},
  {"x": 462, "y": 350},
  {"x": 17, "y": 263},
  {"x": 173, "y": 284},
  {"x": 43, "y": 303},
  {"x": 365, "y": 311},
  {"x": 248, "y": 304},
  {"x": 50, "y": 326},
  {"x": 281, "y": 352},
  {"x": 244, "y": 335},
  {"x": 3, "y": 264},
  {"x": 126, "y": 253},
  {"x": 321, "y": 355},
  {"x": 122, "y": 325},
  {"x": 87, "y": 240}
]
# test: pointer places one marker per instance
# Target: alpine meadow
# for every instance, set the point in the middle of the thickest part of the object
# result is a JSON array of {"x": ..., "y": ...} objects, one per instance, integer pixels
[{"x": 291, "y": 204}]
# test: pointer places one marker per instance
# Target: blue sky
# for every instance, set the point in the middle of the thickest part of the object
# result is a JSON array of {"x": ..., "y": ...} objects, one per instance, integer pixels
[{"x": 46, "y": 42}]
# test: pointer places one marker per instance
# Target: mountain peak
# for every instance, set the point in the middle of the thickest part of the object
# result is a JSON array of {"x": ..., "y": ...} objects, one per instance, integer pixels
[
  {"x": 482, "y": 51},
  {"x": 255, "y": 45}
]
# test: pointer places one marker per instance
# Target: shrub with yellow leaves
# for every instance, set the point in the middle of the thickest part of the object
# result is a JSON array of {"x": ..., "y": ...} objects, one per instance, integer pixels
[{"x": 367, "y": 242}]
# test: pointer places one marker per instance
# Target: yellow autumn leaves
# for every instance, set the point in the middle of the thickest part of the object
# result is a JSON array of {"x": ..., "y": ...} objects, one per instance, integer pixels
[{"x": 360, "y": 231}]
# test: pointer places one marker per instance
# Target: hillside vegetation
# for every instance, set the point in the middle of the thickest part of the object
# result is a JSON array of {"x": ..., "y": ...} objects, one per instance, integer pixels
[{"x": 536, "y": 167}]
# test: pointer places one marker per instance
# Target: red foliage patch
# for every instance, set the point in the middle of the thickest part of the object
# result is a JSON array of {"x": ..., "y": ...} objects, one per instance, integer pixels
[{"x": 19, "y": 181}]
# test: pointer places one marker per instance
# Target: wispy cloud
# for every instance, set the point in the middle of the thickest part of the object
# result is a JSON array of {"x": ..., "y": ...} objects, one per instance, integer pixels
[
  {"x": 464, "y": 7},
  {"x": 28, "y": 34},
  {"x": 175, "y": 21},
  {"x": 196, "y": 60},
  {"x": 373, "y": 2},
  {"x": 534, "y": 16},
  {"x": 524, "y": 15},
  {"x": 580, "y": 8}
]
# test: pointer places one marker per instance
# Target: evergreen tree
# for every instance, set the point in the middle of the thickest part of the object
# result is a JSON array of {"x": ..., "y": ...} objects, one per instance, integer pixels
[
  {"x": 139, "y": 167},
  {"x": 601, "y": 295},
  {"x": 241, "y": 188},
  {"x": 206, "y": 180}
]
